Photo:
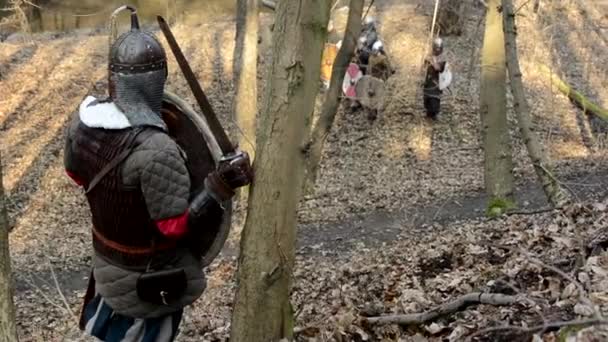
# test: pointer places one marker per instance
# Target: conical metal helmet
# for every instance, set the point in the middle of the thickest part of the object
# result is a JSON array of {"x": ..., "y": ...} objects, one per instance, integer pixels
[
  {"x": 137, "y": 66},
  {"x": 136, "y": 51},
  {"x": 437, "y": 46}
]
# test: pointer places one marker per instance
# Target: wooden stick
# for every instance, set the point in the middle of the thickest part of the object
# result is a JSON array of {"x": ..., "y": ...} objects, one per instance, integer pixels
[
  {"x": 433, "y": 25},
  {"x": 428, "y": 43},
  {"x": 446, "y": 309}
]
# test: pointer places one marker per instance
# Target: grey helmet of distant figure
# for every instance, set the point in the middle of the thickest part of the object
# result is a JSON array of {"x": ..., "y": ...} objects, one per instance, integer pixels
[
  {"x": 367, "y": 38},
  {"x": 146, "y": 208},
  {"x": 371, "y": 58},
  {"x": 437, "y": 78}
]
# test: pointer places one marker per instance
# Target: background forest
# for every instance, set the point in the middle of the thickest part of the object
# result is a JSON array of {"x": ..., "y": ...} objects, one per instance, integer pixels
[{"x": 406, "y": 221}]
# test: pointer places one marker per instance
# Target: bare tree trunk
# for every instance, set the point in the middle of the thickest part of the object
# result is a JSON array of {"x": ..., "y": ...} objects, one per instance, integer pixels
[
  {"x": 245, "y": 72},
  {"x": 553, "y": 190},
  {"x": 262, "y": 310},
  {"x": 245, "y": 77},
  {"x": 493, "y": 107},
  {"x": 332, "y": 97},
  {"x": 8, "y": 329}
]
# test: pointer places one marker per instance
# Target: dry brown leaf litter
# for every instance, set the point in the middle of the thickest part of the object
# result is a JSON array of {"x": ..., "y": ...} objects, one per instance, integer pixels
[{"x": 395, "y": 162}]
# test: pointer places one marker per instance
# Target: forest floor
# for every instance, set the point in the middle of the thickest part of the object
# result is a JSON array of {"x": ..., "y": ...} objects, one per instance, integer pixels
[{"x": 396, "y": 223}]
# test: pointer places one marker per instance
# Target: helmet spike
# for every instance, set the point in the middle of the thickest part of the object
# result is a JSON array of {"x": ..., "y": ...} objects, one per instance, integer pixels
[{"x": 134, "y": 19}]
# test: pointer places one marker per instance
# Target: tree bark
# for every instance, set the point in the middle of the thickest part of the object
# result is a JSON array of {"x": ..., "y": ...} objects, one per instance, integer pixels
[
  {"x": 498, "y": 163},
  {"x": 579, "y": 99},
  {"x": 332, "y": 97},
  {"x": 245, "y": 73},
  {"x": 8, "y": 329},
  {"x": 553, "y": 190},
  {"x": 262, "y": 310}
]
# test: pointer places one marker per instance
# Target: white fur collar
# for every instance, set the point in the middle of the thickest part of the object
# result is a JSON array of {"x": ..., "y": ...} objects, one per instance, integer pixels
[{"x": 102, "y": 115}]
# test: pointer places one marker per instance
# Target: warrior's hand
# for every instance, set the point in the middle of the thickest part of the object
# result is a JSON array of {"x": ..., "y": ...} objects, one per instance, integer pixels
[
  {"x": 233, "y": 171},
  {"x": 236, "y": 170}
]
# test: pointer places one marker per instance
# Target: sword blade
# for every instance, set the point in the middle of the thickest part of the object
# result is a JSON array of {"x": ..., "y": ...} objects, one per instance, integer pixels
[{"x": 214, "y": 124}]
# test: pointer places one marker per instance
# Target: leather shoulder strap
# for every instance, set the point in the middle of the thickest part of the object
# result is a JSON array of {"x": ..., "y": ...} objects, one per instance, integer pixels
[{"x": 133, "y": 143}]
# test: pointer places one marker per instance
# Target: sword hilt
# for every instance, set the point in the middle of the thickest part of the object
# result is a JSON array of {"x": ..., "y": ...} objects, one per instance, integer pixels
[{"x": 232, "y": 156}]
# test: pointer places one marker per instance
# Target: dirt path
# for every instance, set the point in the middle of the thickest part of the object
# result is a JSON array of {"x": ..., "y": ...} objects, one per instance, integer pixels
[
  {"x": 381, "y": 228},
  {"x": 379, "y": 181}
]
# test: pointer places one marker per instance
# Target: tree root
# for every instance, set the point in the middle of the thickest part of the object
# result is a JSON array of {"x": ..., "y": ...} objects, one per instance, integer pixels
[{"x": 446, "y": 309}]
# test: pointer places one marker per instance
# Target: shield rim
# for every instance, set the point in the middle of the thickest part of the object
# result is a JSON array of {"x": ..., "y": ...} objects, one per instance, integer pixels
[
  {"x": 199, "y": 120},
  {"x": 445, "y": 78},
  {"x": 366, "y": 100},
  {"x": 346, "y": 83}
]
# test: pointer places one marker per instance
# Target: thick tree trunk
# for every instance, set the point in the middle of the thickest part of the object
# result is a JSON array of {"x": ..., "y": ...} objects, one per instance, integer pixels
[
  {"x": 579, "y": 99},
  {"x": 8, "y": 329},
  {"x": 554, "y": 192},
  {"x": 262, "y": 310},
  {"x": 332, "y": 97},
  {"x": 493, "y": 108},
  {"x": 245, "y": 72}
]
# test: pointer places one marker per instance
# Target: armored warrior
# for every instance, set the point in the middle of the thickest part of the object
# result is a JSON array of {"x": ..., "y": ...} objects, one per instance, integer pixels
[
  {"x": 367, "y": 38},
  {"x": 147, "y": 212},
  {"x": 437, "y": 79}
]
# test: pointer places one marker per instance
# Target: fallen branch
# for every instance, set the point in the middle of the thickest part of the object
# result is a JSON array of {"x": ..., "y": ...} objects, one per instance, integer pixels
[
  {"x": 58, "y": 288},
  {"x": 579, "y": 99},
  {"x": 446, "y": 309},
  {"x": 581, "y": 290},
  {"x": 29, "y": 280},
  {"x": 540, "y": 327}
]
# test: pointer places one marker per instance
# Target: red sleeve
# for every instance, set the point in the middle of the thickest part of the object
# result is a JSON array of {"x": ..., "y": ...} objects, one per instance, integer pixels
[
  {"x": 74, "y": 178},
  {"x": 174, "y": 227}
]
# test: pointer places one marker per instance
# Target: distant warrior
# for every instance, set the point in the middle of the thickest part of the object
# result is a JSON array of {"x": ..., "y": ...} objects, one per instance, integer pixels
[
  {"x": 378, "y": 64},
  {"x": 438, "y": 77},
  {"x": 367, "y": 38},
  {"x": 146, "y": 205}
]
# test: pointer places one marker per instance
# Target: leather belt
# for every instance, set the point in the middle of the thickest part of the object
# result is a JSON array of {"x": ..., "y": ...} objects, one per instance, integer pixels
[{"x": 127, "y": 256}]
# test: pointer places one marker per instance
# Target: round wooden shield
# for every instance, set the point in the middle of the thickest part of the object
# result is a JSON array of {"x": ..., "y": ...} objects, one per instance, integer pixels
[
  {"x": 370, "y": 91},
  {"x": 353, "y": 74},
  {"x": 445, "y": 78},
  {"x": 192, "y": 134}
]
